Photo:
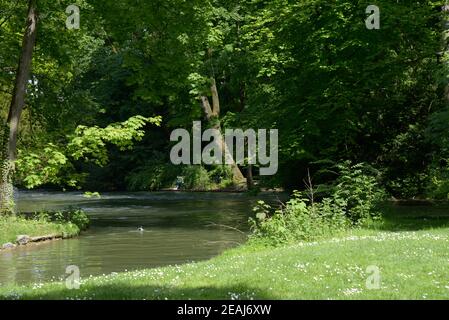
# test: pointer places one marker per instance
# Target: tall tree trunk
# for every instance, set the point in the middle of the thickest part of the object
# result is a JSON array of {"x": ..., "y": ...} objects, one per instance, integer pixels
[
  {"x": 213, "y": 113},
  {"x": 11, "y": 129}
]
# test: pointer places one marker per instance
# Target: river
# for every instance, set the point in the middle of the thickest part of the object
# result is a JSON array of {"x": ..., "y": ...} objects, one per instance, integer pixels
[{"x": 178, "y": 228}]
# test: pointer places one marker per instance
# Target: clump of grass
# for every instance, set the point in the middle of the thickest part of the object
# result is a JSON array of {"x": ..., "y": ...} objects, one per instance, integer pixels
[{"x": 66, "y": 223}]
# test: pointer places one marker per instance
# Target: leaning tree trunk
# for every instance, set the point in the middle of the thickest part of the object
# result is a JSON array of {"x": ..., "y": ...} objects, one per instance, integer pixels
[
  {"x": 213, "y": 113},
  {"x": 11, "y": 129}
]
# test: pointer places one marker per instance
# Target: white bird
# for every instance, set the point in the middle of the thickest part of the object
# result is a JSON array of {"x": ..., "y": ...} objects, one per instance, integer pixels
[{"x": 140, "y": 229}]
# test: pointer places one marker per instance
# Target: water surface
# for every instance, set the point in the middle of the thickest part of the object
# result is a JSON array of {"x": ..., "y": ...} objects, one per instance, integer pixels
[{"x": 178, "y": 228}]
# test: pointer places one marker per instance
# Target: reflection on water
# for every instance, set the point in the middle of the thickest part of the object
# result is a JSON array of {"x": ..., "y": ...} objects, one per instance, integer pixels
[{"x": 178, "y": 227}]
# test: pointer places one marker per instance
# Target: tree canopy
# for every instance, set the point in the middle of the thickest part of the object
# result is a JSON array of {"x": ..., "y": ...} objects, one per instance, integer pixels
[{"x": 136, "y": 70}]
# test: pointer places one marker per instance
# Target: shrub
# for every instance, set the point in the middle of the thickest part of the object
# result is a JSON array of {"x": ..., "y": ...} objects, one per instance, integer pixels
[
  {"x": 157, "y": 175},
  {"x": 357, "y": 192},
  {"x": 196, "y": 178},
  {"x": 220, "y": 174},
  {"x": 438, "y": 185},
  {"x": 153, "y": 176},
  {"x": 75, "y": 216},
  {"x": 353, "y": 200},
  {"x": 298, "y": 220},
  {"x": 409, "y": 186}
]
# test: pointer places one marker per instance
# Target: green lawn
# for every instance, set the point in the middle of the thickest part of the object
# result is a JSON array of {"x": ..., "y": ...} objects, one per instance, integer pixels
[
  {"x": 11, "y": 227},
  {"x": 413, "y": 264}
]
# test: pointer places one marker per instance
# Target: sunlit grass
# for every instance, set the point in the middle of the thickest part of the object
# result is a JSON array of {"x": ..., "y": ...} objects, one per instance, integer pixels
[
  {"x": 412, "y": 264},
  {"x": 11, "y": 227}
]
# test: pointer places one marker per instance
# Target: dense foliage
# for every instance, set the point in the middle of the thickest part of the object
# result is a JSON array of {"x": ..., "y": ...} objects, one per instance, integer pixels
[
  {"x": 335, "y": 90},
  {"x": 352, "y": 201},
  {"x": 67, "y": 224},
  {"x": 73, "y": 216}
]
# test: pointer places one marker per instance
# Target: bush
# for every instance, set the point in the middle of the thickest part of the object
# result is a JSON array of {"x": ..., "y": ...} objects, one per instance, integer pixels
[
  {"x": 298, "y": 220},
  {"x": 357, "y": 192},
  {"x": 409, "y": 186},
  {"x": 438, "y": 186},
  {"x": 220, "y": 174},
  {"x": 154, "y": 176},
  {"x": 352, "y": 202},
  {"x": 196, "y": 178},
  {"x": 75, "y": 216}
]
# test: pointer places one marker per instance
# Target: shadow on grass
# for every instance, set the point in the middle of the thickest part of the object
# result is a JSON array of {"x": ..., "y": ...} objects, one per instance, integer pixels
[
  {"x": 398, "y": 217},
  {"x": 122, "y": 291}
]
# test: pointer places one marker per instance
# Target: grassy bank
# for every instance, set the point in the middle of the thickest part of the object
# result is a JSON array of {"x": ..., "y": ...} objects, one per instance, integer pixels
[
  {"x": 66, "y": 224},
  {"x": 412, "y": 257}
]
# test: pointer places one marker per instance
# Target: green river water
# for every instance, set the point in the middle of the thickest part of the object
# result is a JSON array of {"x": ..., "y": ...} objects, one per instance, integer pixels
[{"x": 178, "y": 228}]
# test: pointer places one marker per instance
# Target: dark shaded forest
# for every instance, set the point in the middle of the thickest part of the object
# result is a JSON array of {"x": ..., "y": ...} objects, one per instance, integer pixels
[{"x": 101, "y": 100}]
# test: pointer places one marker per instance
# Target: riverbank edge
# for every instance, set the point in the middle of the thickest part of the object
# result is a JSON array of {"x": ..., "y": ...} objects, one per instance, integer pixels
[
  {"x": 18, "y": 231},
  {"x": 35, "y": 240}
]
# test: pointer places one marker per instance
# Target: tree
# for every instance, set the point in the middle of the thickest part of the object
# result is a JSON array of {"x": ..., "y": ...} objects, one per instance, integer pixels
[
  {"x": 9, "y": 139},
  {"x": 333, "y": 88},
  {"x": 213, "y": 115}
]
